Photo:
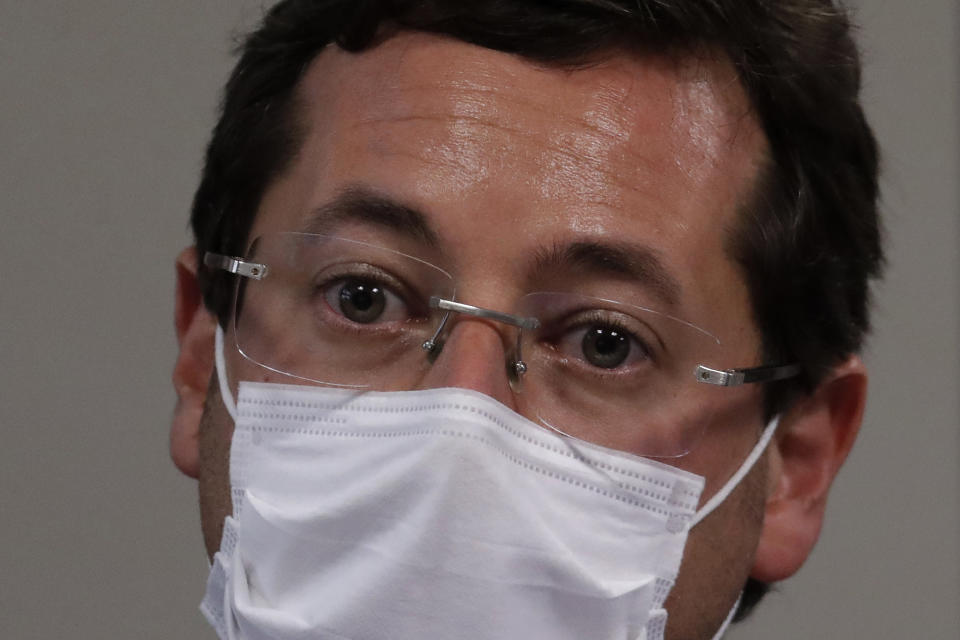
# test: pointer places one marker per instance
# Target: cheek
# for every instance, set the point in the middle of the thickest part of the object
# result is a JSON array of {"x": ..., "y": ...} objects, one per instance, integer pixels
[
  {"x": 717, "y": 561},
  {"x": 216, "y": 432},
  {"x": 731, "y": 428},
  {"x": 216, "y": 435}
]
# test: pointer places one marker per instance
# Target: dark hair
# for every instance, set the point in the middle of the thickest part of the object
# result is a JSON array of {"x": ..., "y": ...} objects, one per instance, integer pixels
[{"x": 808, "y": 246}]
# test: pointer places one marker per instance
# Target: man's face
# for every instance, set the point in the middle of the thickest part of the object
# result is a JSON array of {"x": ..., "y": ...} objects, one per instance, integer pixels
[{"x": 507, "y": 160}]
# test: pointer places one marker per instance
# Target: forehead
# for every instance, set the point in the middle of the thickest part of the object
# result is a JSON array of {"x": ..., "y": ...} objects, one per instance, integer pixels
[{"x": 506, "y": 156}]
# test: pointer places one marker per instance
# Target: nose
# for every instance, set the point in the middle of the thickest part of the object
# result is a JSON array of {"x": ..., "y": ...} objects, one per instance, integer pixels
[{"x": 473, "y": 357}]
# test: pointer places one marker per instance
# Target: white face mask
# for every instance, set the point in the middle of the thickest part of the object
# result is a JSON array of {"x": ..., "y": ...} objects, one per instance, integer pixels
[{"x": 439, "y": 514}]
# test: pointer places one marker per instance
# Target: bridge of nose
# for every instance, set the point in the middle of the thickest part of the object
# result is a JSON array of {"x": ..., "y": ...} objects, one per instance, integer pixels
[{"x": 474, "y": 355}]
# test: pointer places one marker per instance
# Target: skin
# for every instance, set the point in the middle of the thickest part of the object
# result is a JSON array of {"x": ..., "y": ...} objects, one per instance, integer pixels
[{"x": 507, "y": 158}]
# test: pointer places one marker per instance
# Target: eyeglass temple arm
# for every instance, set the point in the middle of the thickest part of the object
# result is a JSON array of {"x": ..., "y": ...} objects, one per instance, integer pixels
[
  {"x": 239, "y": 266},
  {"x": 737, "y": 377}
]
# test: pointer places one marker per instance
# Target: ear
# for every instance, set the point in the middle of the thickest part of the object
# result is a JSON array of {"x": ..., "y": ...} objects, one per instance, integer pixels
[
  {"x": 813, "y": 440},
  {"x": 196, "y": 328}
]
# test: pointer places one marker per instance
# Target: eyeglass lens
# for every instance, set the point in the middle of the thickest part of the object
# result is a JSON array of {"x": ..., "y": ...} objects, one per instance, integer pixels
[{"x": 336, "y": 311}]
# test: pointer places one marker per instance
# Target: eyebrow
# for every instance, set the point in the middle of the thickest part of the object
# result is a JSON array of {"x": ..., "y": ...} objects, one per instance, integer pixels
[
  {"x": 605, "y": 259},
  {"x": 358, "y": 204}
]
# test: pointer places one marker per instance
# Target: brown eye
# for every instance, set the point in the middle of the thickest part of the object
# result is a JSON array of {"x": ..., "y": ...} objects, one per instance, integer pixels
[
  {"x": 605, "y": 347},
  {"x": 362, "y": 301},
  {"x": 600, "y": 345}
]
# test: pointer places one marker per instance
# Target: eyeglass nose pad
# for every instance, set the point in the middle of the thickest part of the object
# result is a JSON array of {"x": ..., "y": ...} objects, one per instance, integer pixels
[
  {"x": 515, "y": 371},
  {"x": 433, "y": 347},
  {"x": 516, "y": 367}
]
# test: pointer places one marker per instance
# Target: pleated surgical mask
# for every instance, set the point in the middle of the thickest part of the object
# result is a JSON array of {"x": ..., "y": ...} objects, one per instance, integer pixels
[{"x": 440, "y": 514}]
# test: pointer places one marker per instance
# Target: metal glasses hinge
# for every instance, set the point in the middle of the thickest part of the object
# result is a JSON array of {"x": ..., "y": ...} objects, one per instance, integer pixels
[
  {"x": 253, "y": 270},
  {"x": 737, "y": 377}
]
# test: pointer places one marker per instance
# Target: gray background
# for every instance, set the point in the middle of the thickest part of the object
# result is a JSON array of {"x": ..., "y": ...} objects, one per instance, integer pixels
[{"x": 104, "y": 109}]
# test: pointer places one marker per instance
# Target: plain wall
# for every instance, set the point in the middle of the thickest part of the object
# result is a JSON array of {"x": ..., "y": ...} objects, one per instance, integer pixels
[{"x": 105, "y": 106}]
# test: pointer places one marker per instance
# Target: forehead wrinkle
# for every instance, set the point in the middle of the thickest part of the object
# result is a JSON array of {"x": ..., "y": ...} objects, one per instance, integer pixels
[
  {"x": 567, "y": 152},
  {"x": 590, "y": 137},
  {"x": 443, "y": 118},
  {"x": 566, "y": 161},
  {"x": 430, "y": 157},
  {"x": 593, "y": 170},
  {"x": 607, "y": 114},
  {"x": 477, "y": 111},
  {"x": 463, "y": 147},
  {"x": 469, "y": 90},
  {"x": 479, "y": 88},
  {"x": 569, "y": 158},
  {"x": 570, "y": 162},
  {"x": 610, "y": 110}
]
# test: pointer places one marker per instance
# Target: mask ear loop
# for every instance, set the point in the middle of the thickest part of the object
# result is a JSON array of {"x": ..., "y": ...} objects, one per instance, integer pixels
[
  {"x": 725, "y": 491},
  {"x": 226, "y": 396},
  {"x": 735, "y": 479},
  {"x": 726, "y": 623}
]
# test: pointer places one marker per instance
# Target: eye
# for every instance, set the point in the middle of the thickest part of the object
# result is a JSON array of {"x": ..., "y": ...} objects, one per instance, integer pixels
[
  {"x": 602, "y": 344},
  {"x": 365, "y": 301},
  {"x": 605, "y": 347}
]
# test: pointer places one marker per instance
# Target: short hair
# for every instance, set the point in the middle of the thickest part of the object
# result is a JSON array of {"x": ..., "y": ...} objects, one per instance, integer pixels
[{"x": 808, "y": 244}]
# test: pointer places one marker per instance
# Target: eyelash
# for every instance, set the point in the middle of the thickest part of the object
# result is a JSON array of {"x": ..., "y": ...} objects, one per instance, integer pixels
[
  {"x": 594, "y": 318},
  {"x": 391, "y": 284}
]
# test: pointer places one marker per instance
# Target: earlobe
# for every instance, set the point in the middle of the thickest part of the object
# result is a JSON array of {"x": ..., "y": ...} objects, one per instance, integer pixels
[
  {"x": 815, "y": 437},
  {"x": 191, "y": 374}
]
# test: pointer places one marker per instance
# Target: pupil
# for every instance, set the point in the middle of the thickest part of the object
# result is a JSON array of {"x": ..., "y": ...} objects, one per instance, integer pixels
[
  {"x": 362, "y": 302},
  {"x": 361, "y": 298},
  {"x": 605, "y": 347}
]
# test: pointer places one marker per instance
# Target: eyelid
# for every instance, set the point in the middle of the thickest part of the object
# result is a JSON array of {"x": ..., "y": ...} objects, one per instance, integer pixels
[
  {"x": 355, "y": 270},
  {"x": 639, "y": 331},
  {"x": 415, "y": 301}
]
